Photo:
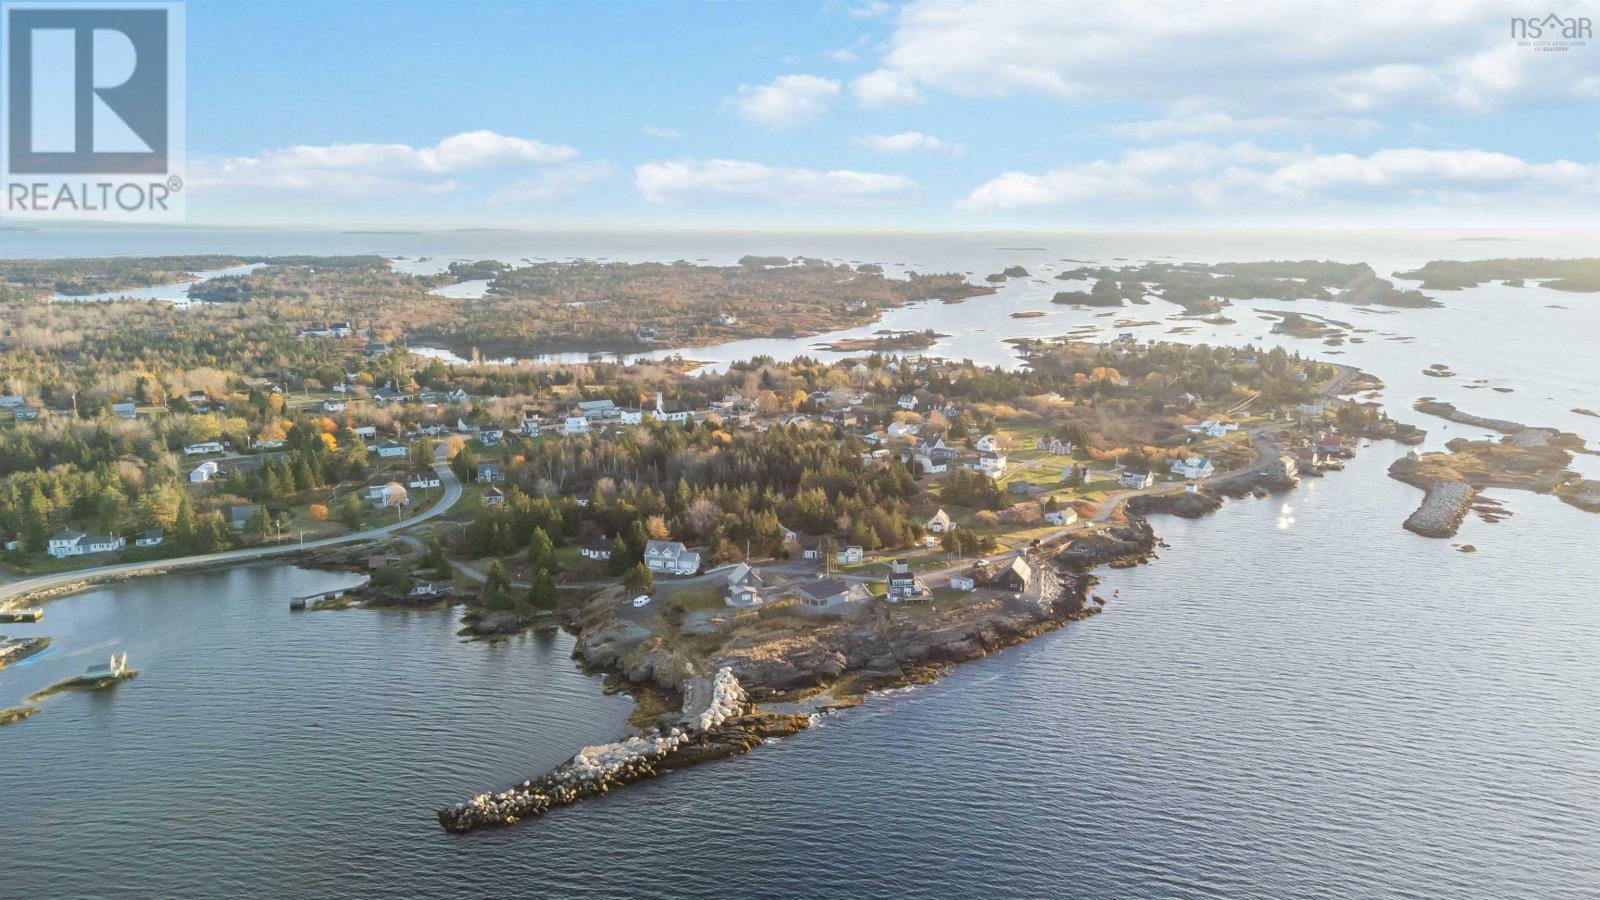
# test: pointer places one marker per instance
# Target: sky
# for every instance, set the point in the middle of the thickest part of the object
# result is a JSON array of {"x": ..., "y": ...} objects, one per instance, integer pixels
[{"x": 942, "y": 114}]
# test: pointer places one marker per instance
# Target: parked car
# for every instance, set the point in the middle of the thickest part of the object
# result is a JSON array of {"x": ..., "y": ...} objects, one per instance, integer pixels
[{"x": 641, "y": 600}]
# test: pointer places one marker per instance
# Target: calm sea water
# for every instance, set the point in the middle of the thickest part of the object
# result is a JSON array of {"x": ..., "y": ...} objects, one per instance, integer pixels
[{"x": 1299, "y": 699}]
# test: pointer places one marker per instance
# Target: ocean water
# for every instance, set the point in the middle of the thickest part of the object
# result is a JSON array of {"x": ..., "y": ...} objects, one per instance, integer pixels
[{"x": 1298, "y": 699}]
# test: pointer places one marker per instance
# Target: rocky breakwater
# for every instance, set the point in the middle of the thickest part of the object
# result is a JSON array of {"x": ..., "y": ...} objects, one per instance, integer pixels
[
  {"x": 1527, "y": 459},
  {"x": 718, "y": 721},
  {"x": 1444, "y": 505}
]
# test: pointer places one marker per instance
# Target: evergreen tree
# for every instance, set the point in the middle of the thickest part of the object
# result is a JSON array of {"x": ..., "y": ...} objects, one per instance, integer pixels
[
  {"x": 497, "y": 588},
  {"x": 542, "y": 596},
  {"x": 540, "y": 551},
  {"x": 621, "y": 557},
  {"x": 639, "y": 580}
]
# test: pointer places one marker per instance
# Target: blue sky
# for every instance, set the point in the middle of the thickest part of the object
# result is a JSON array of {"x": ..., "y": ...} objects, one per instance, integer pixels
[{"x": 857, "y": 113}]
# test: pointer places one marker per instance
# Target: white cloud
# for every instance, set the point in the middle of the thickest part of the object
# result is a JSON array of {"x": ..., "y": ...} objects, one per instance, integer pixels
[
  {"x": 370, "y": 169},
  {"x": 1245, "y": 178},
  {"x": 555, "y": 183},
  {"x": 1253, "y": 60},
  {"x": 884, "y": 88},
  {"x": 908, "y": 142},
  {"x": 487, "y": 150},
  {"x": 842, "y": 55},
  {"x": 694, "y": 181},
  {"x": 662, "y": 134},
  {"x": 871, "y": 9},
  {"x": 1190, "y": 118},
  {"x": 788, "y": 101}
]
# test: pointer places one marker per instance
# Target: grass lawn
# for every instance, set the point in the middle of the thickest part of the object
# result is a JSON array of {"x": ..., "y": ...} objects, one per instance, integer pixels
[
  {"x": 696, "y": 598},
  {"x": 300, "y": 519},
  {"x": 1041, "y": 474}
]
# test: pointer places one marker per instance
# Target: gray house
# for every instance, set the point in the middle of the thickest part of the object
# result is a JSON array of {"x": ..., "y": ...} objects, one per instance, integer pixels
[{"x": 671, "y": 557}]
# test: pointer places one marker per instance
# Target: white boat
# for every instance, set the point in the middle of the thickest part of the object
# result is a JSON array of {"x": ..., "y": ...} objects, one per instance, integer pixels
[{"x": 112, "y": 668}]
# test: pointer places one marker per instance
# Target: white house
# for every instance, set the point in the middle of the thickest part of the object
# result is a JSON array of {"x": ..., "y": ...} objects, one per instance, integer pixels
[
  {"x": 1313, "y": 410},
  {"x": 630, "y": 416},
  {"x": 1054, "y": 446},
  {"x": 423, "y": 480},
  {"x": 1193, "y": 467},
  {"x": 490, "y": 472},
  {"x": 203, "y": 448},
  {"x": 366, "y": 432},
  {"x": 962, "y": 582},
  {"x": 456, "y": 396},
  {"x": 67, "y": 543},
  {"x": 389, "y": 448},
  {"x": 903, "y": 584},
  {"x": 671, "y": 557},
  {"x": 939, "y": 523},
  {"x": 849, "y": 556},
  {"x": 989, "y": 463},
  {"x": 394, "y": 494},
  {"x": 332, "y": 405},
  {"x": 125, "y": 410},
  {"x": 12, "y": 401},
  {"x": 1061, "y": 517},
  {"x": 670, "y": 412},
  {"x": 76, "y": 543},
  {"x": 203, "y": 472},
  {"x": 1136, "y": 478},
  {"x": 576, "y": 423},
  {"x": 151, "y": 538},
  {"x": 597, "y": 550},
  {"x": 989, "y": 442}
]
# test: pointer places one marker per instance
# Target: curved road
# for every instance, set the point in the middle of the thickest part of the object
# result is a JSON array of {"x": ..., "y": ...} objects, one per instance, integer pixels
[{"x": 19, "y": 589}]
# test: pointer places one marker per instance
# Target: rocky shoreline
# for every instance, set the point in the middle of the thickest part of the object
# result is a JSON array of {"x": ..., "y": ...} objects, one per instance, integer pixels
[
  {"x": 1525, "y": 458},
  {"x": 725, "y": 724},
  {"x": 720, "y": 716}
]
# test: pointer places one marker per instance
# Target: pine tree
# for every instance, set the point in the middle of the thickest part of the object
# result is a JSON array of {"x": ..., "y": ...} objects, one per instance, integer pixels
[
  {"x": 497, "y": 588},
  {"x": 542, "y": 596},
  {"x": 540, "y": 551},
  {"x": 621, "y": 557},
  {"x": 639, "y": 580}
]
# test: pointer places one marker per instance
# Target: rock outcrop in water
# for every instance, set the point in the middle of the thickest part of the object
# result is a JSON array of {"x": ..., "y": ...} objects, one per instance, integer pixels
[
  {"x": 1121, "y": 546},
  {"x": 1187, "y": 504}
]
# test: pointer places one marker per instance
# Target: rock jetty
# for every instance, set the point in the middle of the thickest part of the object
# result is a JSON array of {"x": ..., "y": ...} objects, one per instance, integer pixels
[
  {"x": 1444, "y": 505},
  {"x": 718, "y": 721}
]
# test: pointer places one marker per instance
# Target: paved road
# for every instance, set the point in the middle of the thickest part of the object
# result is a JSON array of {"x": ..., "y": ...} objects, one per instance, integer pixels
[{"x": 447, "y": 478}]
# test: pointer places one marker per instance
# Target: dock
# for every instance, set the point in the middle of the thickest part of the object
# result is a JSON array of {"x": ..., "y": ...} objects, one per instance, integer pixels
[
  {"x": 310, "y": 601},
  {"x": 22, "y": 614}
]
